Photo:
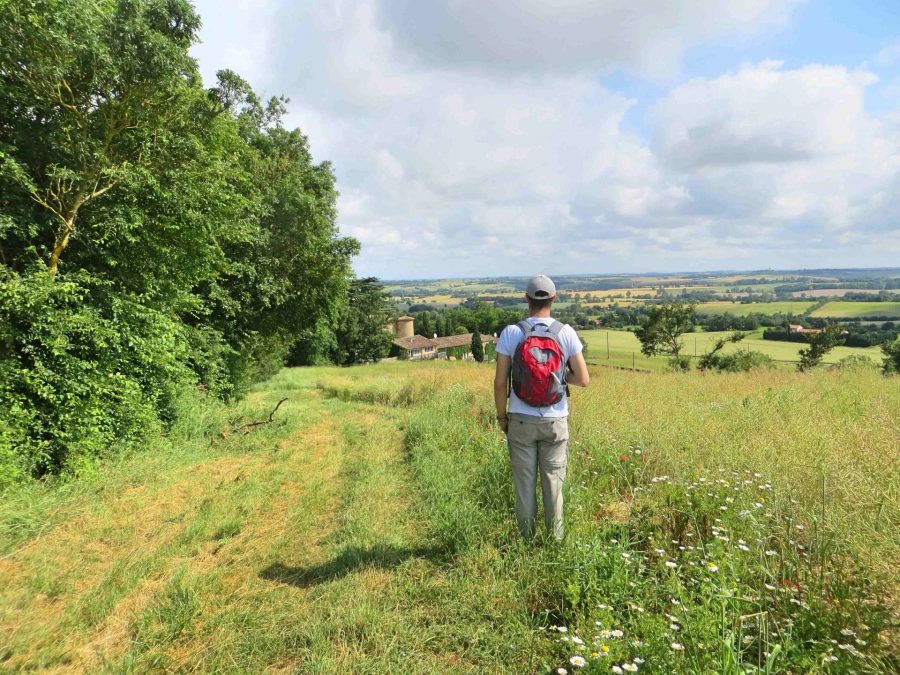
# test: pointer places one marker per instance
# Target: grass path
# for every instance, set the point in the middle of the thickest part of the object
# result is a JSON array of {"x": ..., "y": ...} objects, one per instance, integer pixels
[{"x": 276, "y": 550}]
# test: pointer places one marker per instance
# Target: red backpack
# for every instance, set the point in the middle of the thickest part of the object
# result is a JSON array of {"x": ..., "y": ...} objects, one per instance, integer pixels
[{"x": 538, "y": 373}]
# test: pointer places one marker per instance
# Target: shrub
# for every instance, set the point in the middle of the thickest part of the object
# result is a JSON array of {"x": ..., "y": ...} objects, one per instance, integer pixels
[{"x": 81, "y": 371}]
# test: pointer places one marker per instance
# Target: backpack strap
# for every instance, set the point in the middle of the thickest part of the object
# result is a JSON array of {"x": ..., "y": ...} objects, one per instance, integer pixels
[
  {"x": 525, "y": 326},
  {"x": 556, "y": 327}
]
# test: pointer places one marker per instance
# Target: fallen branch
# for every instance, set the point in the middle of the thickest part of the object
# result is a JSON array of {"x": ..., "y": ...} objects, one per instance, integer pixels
[{"x": 249, "y": 426}]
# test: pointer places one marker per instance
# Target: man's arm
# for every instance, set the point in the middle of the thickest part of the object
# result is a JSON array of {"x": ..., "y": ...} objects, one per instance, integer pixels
[
  {"x": 579, "y": 376},
  {"x": 501, "y": 380}
]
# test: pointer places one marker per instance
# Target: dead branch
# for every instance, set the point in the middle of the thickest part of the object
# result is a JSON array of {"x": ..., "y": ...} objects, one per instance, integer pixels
[{"x": 249, "y": 426}]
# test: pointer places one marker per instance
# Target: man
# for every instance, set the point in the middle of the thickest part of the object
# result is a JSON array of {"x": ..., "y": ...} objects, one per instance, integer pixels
[{"x": 537, "y": 435}]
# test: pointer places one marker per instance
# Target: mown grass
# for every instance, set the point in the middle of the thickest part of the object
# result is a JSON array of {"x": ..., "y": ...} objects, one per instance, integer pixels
[{"x": 371, "y": 530}]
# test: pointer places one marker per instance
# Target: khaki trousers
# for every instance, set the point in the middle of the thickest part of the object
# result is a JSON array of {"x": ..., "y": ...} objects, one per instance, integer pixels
[{"x": 538, "y": 443}]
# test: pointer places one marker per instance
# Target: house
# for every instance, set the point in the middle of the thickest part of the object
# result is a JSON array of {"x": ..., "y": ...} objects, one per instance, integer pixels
[
  {"x": 415, "y": 348},
  {"x": 795, "y": 328},
  {"x": 407, "y": 345}
]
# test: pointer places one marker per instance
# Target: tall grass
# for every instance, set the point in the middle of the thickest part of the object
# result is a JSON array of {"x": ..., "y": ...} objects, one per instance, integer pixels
[{"x": 772, "y": 496}]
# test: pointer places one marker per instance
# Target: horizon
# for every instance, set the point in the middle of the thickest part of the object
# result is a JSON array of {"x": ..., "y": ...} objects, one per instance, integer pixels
[{"x": 655, "y": 273}]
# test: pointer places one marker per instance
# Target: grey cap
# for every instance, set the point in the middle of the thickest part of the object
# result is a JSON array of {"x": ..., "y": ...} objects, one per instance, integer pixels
[{"x": 540, "y": 287}]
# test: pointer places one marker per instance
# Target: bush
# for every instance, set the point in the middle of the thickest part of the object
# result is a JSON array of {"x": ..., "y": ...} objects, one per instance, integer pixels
[
  {"x": 81, "y": 371},
  {"x": 855, "y": 362}
]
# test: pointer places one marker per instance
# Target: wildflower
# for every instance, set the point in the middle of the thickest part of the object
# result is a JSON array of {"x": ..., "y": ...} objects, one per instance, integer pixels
[
  {"x": 617, "y": 670},
  {"x": 712, "y": 567},
  {"x": 562, "y": 671},
  {"x": 602, "y": 606},
  {"x": 605, "y": 634},
  {"x": 659, "y": 551},
  {"x": 638, "y": 659},
  {"x": 578, "y": 661},
  {"x": 595, "y": 655},
  {"x": 604, "y": 649},
  {"x": 770, "y": 552},
  {"x": 562, "y": 629},
  {"x": 617, "y": 633},
  {"x": 747, "y": 639},
  {"x": 577, "y": 640},
  {"x": 847, "y": 632},
  {"x": 637, "y": 644},
  {"x": 677, "y": 647},
  {"x": 630, "y": 667},
  {"x": 626, "y": 555},
  {"x": 744, "y": 547}
]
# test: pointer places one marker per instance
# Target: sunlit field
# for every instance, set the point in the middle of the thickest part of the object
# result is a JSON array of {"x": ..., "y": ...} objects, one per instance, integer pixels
[
  {"x": 625, "y": 349},
  {"x": 715, "y": 523},
  {"x": 858, "y": 310},
  {"x": 743, "y": 309}
]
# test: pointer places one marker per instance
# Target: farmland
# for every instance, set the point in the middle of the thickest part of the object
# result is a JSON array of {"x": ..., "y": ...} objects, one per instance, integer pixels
[
  {"x": 858, "y": 310},
  {"x": 625, "y": 349},
  {"x": 370, "y": 529}
]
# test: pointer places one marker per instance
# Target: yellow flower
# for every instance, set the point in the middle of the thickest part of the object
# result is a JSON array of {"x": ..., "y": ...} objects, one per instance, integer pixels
[{"x": 604, "y": 649}]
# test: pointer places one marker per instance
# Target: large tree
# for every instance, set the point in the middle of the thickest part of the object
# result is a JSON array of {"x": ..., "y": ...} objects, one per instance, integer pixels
[
  {"x": 362, "y": 333},
  {"x": 661, "y": 330},
  {"x": 94, "y": 96}
]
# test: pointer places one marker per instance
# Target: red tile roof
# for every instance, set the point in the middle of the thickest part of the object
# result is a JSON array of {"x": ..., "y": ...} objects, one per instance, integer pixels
[{"x": 414, "y": 342}]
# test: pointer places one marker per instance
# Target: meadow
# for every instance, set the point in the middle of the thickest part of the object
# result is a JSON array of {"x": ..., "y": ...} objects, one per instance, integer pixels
[
  {"x": 743, "y": 309},
  {"x": 715, "y": 523},
  {"x": 858, "y": 310},
  {"x": 625, "y": 349}
]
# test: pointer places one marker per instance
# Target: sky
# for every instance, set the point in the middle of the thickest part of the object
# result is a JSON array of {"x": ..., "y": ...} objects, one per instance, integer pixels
[{"x": 477, "y": 138}]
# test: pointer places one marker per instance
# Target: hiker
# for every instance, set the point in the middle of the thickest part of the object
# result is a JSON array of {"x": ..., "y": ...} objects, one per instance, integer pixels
[{"x": 536, "y": 359}]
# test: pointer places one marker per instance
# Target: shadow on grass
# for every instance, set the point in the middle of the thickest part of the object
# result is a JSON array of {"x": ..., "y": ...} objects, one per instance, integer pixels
[{"x": 351, "y": 560}]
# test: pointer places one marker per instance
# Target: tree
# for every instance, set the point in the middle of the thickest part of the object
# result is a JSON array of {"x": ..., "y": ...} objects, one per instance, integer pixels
[
  {"x": 94, "y": 96},
  {"x": 361, "y": 334},
  {"x": 712, "y": 360},
  {"x": 819, "y": 345},
  {"x": 891, "y": 351},
  {"x": 662, "y": 327},
  {"x": 477, "y": 347}
]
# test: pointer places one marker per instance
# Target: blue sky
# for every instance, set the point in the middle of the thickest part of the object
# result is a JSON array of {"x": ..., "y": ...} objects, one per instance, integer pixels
[{"x": 495, "y": 137}]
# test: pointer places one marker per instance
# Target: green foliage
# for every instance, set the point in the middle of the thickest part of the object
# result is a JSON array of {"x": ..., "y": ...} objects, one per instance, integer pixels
[
  {"x": 891, "y": 350},
  {"x": 81, "y": 370},
  {"x": 361, "y": 334},
  {"x": 856, "y": 362},
  {"x": 477, "y": 347},
  {"x": 735, "y": 362},
  {"x": 661, "y": 329},
  {"x": 819, "y": 345},
  {"x": 153, "y": 234}
]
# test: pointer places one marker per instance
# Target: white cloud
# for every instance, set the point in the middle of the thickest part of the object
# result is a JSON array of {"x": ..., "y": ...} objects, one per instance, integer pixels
[
  {"x": 794, "y": 148},
  {"x": 476, "y": 139},
  {"x": 763, "y": 114},
  {"x": 646, "y": 36}
]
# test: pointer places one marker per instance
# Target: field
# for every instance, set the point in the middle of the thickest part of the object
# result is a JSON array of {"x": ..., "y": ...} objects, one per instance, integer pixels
[
  {"x": 625, "y": 349},
  {"x": 716, "y": 523},
  {"x": 858, "y": 310},
  {"x": 743, "y": 309}
]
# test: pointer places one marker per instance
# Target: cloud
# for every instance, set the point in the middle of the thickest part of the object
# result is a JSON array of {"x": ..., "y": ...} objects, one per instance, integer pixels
[
  {"x": 792, "y": 149},
  {"x": 645, "y": 36},
  {"x": 472, "y": 140},
  {"x": 762, "y": 114}
]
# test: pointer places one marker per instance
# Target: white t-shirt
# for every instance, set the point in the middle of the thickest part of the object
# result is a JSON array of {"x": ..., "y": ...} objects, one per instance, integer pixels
[{"x": 512, "y": 337}]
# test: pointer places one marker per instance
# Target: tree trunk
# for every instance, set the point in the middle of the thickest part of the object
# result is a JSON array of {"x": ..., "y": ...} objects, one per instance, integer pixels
[{"x": 62, "y": 240}]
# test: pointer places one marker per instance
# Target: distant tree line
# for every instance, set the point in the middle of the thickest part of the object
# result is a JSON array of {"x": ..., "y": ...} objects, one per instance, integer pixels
[{"x": 156, "y": 237}]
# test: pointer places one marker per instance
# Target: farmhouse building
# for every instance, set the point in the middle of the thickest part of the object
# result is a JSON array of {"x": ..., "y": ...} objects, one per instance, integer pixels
[
  {"x": 418, "y": 347},
  {"x": 796, "y": 328}
]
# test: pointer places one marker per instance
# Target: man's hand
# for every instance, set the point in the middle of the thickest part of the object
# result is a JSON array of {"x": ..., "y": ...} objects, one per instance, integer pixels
[
  {"x": 501, "y": 378},
  {"x": 504, "y": 425}
]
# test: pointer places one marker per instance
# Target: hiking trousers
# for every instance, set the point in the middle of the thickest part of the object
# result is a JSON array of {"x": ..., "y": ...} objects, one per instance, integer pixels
[{"x": 538, "y": 444}]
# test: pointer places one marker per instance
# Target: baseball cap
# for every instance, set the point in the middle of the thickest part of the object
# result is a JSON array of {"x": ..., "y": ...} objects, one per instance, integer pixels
[{"x": 540, "y": 287}]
